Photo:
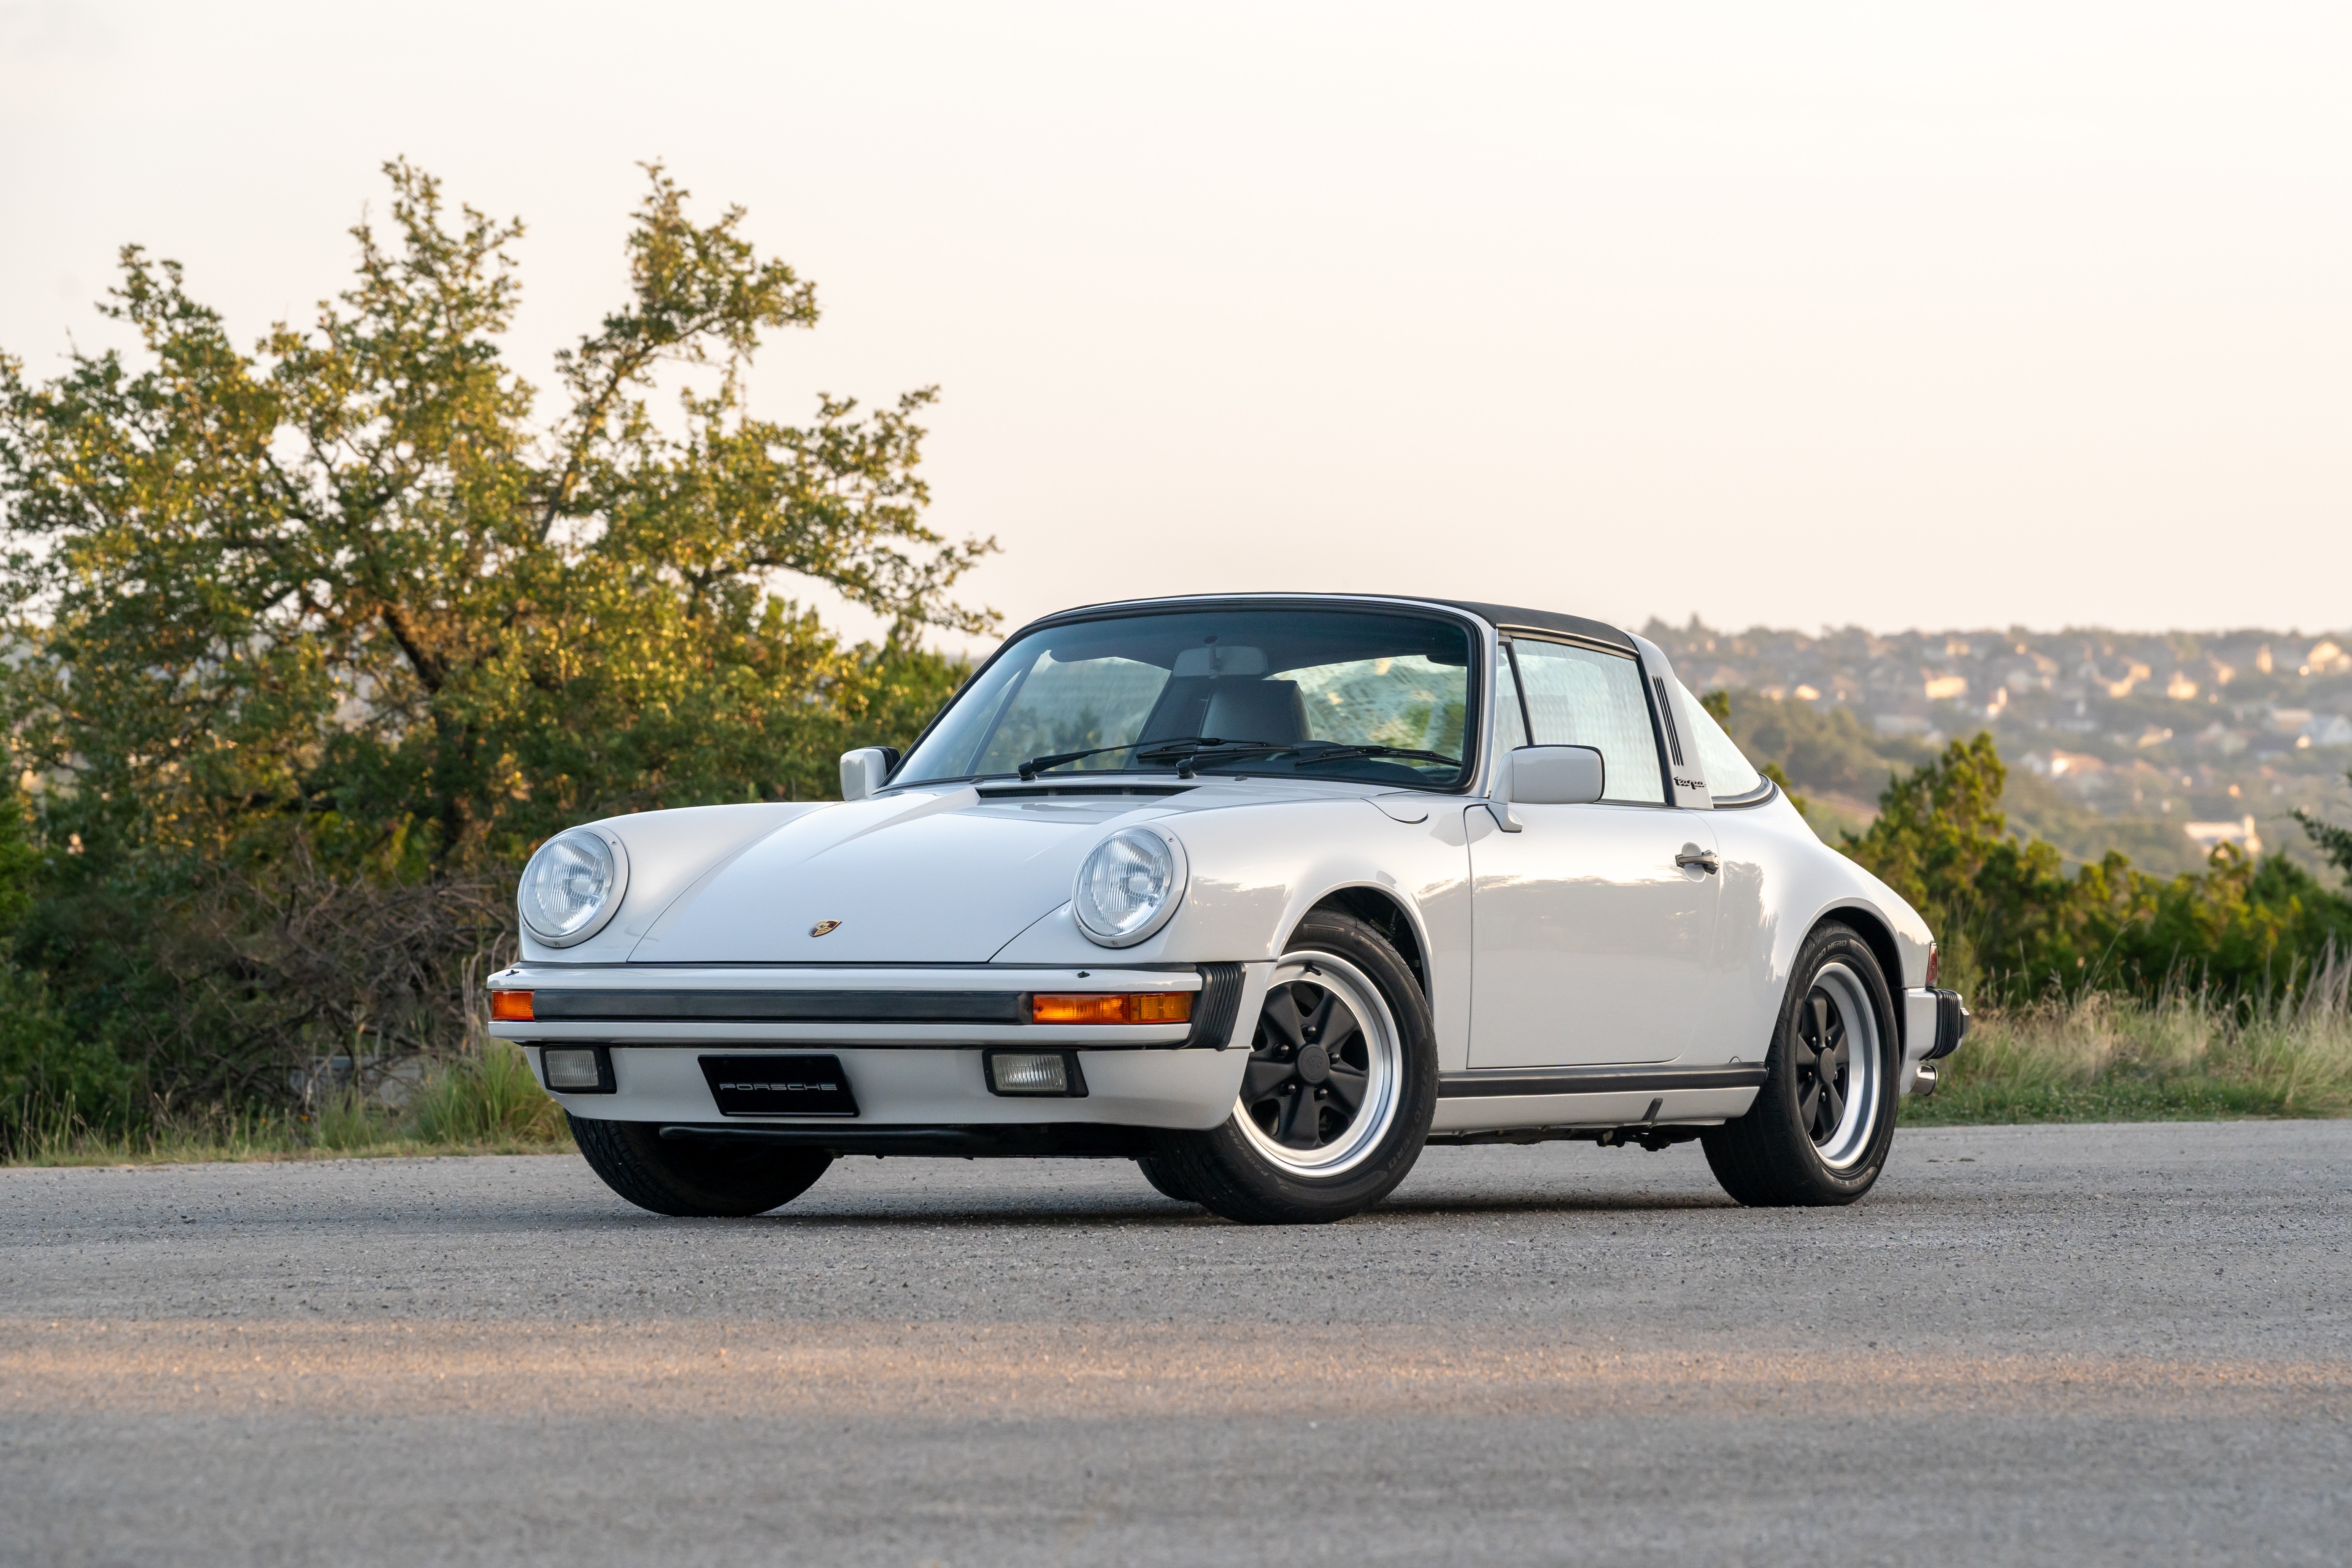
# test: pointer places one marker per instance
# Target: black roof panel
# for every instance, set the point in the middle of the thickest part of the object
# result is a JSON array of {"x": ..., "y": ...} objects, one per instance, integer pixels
[
  {"x": 1494, "y": 615},
  {"x": 1541, "y": 621}
]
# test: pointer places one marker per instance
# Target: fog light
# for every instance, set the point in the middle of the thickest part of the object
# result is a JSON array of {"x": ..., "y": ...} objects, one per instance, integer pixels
[
  {"x": 1036, "y": 1072},
  {"x": 577, "y": 1069}
]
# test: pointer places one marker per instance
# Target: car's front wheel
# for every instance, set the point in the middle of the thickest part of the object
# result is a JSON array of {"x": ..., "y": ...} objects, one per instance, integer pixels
[
  {"x": 1164, "y": 1180},
  {"x": 694, "y": 1178},
  {"x": 1821, "y": 1127},
  {"x": 1337, "y": 1099}
]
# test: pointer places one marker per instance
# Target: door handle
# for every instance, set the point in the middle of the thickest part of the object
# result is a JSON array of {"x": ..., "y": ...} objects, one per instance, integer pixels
[{"x": 1705, "y": 859}]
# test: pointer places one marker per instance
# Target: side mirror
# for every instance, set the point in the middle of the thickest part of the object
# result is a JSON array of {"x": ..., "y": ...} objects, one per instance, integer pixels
[
  {"x": 863, "y": 771},
  {"x": 1556, "y": 775}
]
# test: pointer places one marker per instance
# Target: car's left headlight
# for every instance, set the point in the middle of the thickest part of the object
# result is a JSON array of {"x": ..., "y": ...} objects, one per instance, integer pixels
[
  {"x": 1129, "y": 885},
  {"x": 572, "y": 886}
]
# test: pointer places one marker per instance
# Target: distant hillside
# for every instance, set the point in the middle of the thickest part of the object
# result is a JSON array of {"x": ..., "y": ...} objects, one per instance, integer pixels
[{"x": 2115, "y": 739}]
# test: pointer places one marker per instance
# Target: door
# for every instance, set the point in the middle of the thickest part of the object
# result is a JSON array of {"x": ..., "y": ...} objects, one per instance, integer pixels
[{"x": 1590, "y": 943}]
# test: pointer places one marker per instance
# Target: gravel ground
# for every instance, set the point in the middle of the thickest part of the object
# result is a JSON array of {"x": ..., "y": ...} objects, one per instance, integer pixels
[{"x": 2049, "y": 1344}]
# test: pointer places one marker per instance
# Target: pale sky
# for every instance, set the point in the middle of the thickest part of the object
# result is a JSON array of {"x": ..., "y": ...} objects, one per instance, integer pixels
[{"x": 1802, "y": 314}]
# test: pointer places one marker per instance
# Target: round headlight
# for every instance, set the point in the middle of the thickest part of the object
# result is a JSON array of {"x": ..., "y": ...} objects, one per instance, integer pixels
[
  {"x": 1129, "y": 885},
  {"x": 572, "y": 886}
]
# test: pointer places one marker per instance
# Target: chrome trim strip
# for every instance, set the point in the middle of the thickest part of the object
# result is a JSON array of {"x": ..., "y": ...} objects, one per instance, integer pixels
[{"x": 1482, "y": 1084}]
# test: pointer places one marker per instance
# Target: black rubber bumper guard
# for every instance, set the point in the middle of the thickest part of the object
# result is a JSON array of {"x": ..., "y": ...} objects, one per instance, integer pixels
[{"x": 1951, "y": 1025}]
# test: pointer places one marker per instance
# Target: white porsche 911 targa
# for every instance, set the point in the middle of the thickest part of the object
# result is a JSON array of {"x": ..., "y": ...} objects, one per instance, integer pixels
[{"x": 1263, "y": 893}]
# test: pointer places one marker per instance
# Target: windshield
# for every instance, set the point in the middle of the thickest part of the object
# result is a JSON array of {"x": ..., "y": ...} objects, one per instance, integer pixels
[{"x": 1338, "y": 694}]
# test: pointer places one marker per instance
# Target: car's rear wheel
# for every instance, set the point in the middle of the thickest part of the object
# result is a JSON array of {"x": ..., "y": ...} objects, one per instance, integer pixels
[
  {"x": 1337, "y": 1099},
  {"x": 694, "y": 1178},
  {"x": 1822, "y": 1126}
]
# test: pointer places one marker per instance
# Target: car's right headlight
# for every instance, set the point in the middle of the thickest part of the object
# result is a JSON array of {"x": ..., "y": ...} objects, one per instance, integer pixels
[
  {"x": 1129, "y": 885},
  {"x": 572, "y": 886}
]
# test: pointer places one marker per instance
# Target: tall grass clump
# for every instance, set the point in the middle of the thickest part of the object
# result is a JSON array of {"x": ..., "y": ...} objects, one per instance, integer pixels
[
  {"x": 481, "y": 1101},
  {"x": 487, "y": 1097},
  {"x": 2186, "y": 1052}
]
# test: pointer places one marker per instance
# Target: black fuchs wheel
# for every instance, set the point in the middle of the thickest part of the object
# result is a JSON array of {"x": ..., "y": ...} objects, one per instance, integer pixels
[
  {"x": 1164, "y": 1180},
  {"x": 692, "y": 1177},
  {"x": 1337, "y": 1099},
  {"x": 1824, "y": 1119}
]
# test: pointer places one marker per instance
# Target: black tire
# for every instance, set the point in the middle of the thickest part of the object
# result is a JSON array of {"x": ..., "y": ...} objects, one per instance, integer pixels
[
  {"x": 695, "y": 1178},
  {"x": 1776, "y": 1156},
  {"x": 1164, "y": 1180},
  {"x": 1226, "y": 1171}
]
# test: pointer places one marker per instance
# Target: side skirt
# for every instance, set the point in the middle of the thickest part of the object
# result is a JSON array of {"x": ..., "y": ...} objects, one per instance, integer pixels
[{"x": 1581, "y": 1102}]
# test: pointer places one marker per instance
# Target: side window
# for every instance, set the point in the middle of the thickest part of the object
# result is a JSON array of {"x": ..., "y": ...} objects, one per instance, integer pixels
[
  {"x": 1729, "y": 775},
  {"x": 1511, "y": 722},
  {"x": 1578, "y": 697}
]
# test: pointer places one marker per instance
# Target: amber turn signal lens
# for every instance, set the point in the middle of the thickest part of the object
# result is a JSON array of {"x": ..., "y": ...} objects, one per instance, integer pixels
[
  {"x": 1113, "y": 1008},
  {"x": 511, "y": 1006}
]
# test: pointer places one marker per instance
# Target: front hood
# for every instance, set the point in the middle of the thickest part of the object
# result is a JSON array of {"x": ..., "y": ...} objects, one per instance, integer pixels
[{"x": 939, "y": 877}]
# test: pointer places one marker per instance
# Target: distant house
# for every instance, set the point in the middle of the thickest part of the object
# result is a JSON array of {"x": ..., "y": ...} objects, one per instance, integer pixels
[
  {"x": 1947, "y": 688},
  {"x": 2057, "y": 764},
  {"x": 2326, "y": 658},
  {"x": 2211, "y": 835},
  {"x": 2326, "y": 729},
  {"x": 2181, "y": 689},
  {"x": 2219, "y": 737}
]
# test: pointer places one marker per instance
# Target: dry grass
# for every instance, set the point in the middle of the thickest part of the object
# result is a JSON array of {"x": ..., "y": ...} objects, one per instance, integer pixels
[
  {"x": 2187, "y": 1054},
  {"x": 484, "y": 1101}
]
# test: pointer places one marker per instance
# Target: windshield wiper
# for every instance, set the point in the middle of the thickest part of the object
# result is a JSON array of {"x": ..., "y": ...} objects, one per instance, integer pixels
[
  {"x": 1035, "y": 765},
  {"x": 1307, "y": 752},
  {"x": 1343, "y": 754},
  {"x": 1189, "y": 752}
]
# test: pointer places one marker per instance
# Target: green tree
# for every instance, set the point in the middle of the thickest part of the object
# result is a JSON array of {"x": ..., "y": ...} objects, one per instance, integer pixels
[
  {"x": 343, "y": 613},
  {"x": 2011, "y": 919},
  {"x": 44, "y": 1068},
  {"x": 347, "y": 575}
]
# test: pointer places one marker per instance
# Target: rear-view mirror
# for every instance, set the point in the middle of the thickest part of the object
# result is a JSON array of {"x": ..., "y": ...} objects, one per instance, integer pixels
[
  {"x": 863, "y": 771},
  {"x": 1218, "y": 661},
  {"x": 1556, "y": 775}
]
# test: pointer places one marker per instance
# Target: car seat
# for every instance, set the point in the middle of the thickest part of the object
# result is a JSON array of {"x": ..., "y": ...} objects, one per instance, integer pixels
[{"x": 1257, "y": 711}]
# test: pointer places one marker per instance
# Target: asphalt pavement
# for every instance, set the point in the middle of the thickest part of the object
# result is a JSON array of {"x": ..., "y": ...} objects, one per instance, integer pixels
[{"x": 2060, "y": 1344}]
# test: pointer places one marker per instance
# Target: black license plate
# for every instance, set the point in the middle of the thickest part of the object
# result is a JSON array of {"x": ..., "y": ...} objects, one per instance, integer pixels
[{"x": 780, "y": 1085}]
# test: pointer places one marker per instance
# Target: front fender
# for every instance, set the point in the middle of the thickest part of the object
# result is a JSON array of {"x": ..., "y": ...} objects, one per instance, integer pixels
[{"x": 1257, "y": 870}]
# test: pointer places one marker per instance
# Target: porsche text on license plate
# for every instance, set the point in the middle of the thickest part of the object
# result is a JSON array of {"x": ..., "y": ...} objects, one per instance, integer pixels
[{"x": 780, "y": 1085}]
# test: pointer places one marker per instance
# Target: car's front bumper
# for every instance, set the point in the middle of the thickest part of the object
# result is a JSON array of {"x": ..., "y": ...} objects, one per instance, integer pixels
[{"x": 910, "y": 1042}]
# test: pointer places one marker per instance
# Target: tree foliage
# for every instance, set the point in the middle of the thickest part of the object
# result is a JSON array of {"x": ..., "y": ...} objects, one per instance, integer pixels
[
  {"x": 2013, "y": 921},
  {"x": 346, "y": 576},
  {"x": 343, "y": 611}
]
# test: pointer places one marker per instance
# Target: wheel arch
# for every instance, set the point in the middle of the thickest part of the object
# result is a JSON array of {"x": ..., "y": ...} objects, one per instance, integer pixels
[
  {"x": 1879, "y": 937},
  {"x": 1386, "y": 913}
]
